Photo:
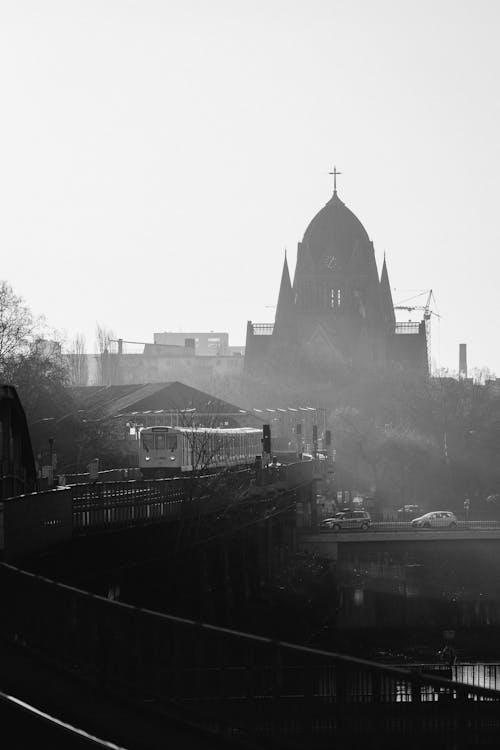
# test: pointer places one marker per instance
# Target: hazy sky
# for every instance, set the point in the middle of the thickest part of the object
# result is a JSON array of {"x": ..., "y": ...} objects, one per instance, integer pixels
[{"x": 157, "y": 157}]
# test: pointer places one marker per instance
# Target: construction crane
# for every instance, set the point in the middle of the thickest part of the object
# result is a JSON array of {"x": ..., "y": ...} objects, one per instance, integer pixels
[
  {"x": 426, "y": 308},
  {"x": 427, "y": 313}
]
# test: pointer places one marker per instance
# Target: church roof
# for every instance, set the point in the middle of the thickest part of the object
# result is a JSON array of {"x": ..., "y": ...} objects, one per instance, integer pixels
[{"x": 335, "y": 232}]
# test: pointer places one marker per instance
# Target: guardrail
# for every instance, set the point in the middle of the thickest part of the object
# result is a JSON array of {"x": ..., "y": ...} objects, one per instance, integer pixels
[
  {"x": 395, "y": 526},
  {"x": 26, "y": 726},
  {"x": 235, "y": 683}
]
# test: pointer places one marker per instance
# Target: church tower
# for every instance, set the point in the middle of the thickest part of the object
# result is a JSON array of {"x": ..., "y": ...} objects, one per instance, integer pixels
[
  {"x": 336, "y": 286},
  {"x": 338, "y": 310}
]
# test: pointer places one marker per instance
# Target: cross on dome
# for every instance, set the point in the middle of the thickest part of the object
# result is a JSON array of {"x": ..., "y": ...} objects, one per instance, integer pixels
[{"x": 335, "y": 173}]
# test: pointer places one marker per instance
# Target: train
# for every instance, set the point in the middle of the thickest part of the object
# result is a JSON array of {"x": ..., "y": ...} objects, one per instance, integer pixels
[{"x": 174, "y": 451}]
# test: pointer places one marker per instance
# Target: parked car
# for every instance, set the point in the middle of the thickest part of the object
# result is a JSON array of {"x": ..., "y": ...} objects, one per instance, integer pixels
[
  {"x": 437, "y": 519},
  {"x": 347, "y": 519},
  {"x": 409, "y": 512}
]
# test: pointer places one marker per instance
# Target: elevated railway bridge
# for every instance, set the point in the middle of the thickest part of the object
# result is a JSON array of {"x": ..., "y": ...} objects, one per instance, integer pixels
[{"x": 186, "y": 678}]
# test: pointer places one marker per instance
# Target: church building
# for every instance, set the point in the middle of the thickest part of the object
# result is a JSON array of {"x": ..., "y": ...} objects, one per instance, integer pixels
[{"x": 337, "y": 311}]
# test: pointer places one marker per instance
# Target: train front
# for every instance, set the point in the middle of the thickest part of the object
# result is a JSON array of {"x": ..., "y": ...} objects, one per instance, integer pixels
[{"x": 159, "y": 449}]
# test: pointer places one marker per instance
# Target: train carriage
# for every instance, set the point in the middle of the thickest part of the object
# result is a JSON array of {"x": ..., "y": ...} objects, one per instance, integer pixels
[{"x": 173, "y": 451}]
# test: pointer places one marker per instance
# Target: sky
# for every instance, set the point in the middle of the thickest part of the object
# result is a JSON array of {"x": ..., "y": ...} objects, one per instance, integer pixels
[{"x": 157, "y": 157}]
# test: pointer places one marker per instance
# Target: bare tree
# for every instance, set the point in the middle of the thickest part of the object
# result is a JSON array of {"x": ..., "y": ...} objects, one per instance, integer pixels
[
  {"x": 17, "y": 324},
  {"x": 107, "y": 364},
  {"x": 77, "y": 361}
]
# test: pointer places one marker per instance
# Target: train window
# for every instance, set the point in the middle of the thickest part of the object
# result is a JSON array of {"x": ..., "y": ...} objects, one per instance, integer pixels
[
  {"x": 171, "y": 442},
  {"x": 148, "y": 442},
  {"x": 160, "y": 441}
]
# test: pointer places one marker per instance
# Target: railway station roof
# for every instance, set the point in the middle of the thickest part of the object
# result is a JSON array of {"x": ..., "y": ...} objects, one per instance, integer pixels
[{"x": 122, "y": 400}]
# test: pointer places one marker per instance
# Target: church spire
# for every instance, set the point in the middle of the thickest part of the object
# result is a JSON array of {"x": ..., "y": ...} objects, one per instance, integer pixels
[
  {"x": 285, "y": 309},
  {"x": 386, "y": 299}
]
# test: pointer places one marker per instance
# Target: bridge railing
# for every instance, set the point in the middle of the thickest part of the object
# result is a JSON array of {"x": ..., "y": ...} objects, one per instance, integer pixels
[
  {"x": 481, "y": 675},
  {"x": 231, "y": 681},
  {"x": 114, "y": 504},
  {"x": 398, "y": 526},
  {"x": 29, "y": 523}
]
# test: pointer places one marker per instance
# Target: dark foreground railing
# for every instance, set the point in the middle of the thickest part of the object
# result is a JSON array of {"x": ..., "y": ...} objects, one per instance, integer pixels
[
  {"x": 24, "y": 726},
  {"x": 238, "y": 684}
]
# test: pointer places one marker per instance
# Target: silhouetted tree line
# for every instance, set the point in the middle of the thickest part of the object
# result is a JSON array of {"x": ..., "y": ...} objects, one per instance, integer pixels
[{"x": 400, "y": 435}]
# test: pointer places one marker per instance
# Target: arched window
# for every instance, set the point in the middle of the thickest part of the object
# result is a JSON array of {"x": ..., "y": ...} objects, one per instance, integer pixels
[{"x": 335, "y": 298}]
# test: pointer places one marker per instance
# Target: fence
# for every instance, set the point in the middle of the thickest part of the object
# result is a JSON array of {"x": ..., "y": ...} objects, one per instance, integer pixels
[
  {"x": 114, "y": 504},
  {"x": 234, "y": 683},
  {"x": 26, "y": 726},
  {"x": 106, "y": 475}
]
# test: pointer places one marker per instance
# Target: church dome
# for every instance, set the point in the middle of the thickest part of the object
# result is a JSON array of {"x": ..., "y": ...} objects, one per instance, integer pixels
[{"x": 335, "y": 233}]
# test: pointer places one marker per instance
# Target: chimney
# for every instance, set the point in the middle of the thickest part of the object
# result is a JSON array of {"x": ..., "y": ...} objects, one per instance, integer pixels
[
  {"x": 120, "y": 346},
  {"x": 462, "y": 362}
]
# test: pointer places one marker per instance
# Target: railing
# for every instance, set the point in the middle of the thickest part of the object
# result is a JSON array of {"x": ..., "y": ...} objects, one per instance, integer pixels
[
  {"x": 234, "y": 683},
  {"x": 479, "y": 675},
  {"x": 28, "y": 727},
  {"x": 114, "y": 504},
  {"x": 406, "y": 526},
  {"x": 410, "y": 327},
  {"x": 106, "y": 475},
  {"x": 30, "y": 523},
  {"x": 263, "y": 329}
]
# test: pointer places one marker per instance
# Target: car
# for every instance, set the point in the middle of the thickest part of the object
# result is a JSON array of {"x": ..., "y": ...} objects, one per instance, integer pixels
[
  {"x": 409, "y": 512},
  {"x": 347, "y": 519},
  {"x": 436, "y": 519}
]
